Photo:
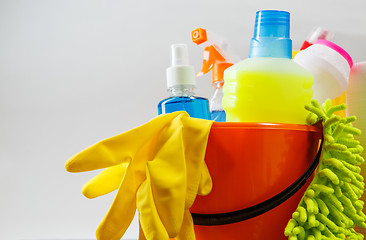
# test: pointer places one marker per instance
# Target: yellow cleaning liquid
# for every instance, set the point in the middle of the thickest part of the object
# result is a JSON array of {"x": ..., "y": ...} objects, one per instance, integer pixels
[{"x": 266, "y": 89}]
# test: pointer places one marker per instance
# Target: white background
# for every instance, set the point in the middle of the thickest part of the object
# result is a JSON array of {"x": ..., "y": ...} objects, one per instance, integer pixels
[{"x": 75, "y": 72}]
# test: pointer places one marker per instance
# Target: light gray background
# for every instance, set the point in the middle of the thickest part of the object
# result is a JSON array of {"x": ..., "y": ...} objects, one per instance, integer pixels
[{"x": 75, "y": 72}]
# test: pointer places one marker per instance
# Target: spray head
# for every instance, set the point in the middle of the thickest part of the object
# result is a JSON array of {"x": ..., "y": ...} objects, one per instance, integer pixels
[
  {"x": 317, "y": 34},
  {"x": 216, "y": 53},
  {"x": 180, "y": 72},
  {"x": 179, "y": 54}
]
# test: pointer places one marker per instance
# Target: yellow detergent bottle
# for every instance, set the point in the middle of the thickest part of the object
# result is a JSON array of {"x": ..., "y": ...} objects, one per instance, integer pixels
[{"x": 268, "y": 86}]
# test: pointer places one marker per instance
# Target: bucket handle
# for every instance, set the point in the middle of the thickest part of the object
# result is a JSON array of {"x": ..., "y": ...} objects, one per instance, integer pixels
[{"x": 260, "y": 208}]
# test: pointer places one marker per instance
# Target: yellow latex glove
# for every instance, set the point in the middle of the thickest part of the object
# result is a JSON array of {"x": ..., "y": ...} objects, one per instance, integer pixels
[
  {"x": 105, "y": 182},
  {"x": 158, "y": 168}
]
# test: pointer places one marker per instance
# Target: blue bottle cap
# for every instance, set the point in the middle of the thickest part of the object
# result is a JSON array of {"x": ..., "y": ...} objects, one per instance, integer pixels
[{"x": 271, "y": 35}]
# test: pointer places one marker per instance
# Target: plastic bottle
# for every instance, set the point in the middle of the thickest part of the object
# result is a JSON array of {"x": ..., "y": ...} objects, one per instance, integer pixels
[
  {"x": 181, "y": 83},
  {"x": 268, "y": 86},
  {"x": 330, "y": 66},
  {"x": 317, "y": 34},
  {"x": 216, "y": 57},
  {"x": 217, "y": 112},
  {"x": 356, "y": 100}
]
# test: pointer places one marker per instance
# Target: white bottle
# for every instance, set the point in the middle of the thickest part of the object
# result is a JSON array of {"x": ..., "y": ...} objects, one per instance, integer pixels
[{"x": 330, "y": 66}]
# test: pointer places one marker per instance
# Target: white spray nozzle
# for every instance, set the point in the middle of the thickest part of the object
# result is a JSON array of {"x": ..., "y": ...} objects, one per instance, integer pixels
[
  {"x": 179, "y": 55},
  {"x": 180, "y": 72}
]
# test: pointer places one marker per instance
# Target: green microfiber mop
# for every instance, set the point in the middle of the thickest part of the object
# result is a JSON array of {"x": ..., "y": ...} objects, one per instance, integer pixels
[{"x": 331, "y": 206}]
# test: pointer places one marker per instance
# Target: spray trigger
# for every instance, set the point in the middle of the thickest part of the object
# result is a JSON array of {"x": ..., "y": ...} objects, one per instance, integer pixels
[{"x": 211, "y": 55}]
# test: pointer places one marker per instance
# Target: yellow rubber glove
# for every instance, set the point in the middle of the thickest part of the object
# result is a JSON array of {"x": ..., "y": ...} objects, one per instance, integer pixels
[
  {"x": 158, "y": 168},
  {"x": 105, "y": 182}
]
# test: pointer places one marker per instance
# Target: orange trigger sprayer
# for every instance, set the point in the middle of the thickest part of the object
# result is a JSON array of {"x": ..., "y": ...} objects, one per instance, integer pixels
[{"x": 217, "y": 56}]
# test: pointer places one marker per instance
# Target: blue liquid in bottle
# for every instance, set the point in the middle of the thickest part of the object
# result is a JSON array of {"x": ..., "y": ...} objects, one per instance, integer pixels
[
  {"x": 218, "y": 116},
  {"x": 184, "y": 100},
  {"x": 217, "y": 112},
  {"x": 181, "y": 82}
]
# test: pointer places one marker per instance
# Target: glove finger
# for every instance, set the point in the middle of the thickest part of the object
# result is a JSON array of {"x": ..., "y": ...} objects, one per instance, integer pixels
[
  {"x": 122, "y": 210},
  {"x": 205, "y": 185},
  {"x": 105, "y": 182},
  {"x": 142, "y": 236},
  {"x": 187, "y": 230},
  {"x": 118, "y": 149},
  {"x": 168, "y": 177},
  {"x": 151, "y": 225},
  {"x": 196, "y": 132}
]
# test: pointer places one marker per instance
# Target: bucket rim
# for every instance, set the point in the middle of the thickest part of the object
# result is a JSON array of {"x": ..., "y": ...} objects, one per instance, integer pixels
[{"x": 265, "y": 125}]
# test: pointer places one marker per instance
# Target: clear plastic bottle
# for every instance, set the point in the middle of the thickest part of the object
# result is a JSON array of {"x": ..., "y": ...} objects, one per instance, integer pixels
[
  {"x": 217, "y": 56},
  {"x": 268, "y": 86},
  {"x": 181, "y": 83},
  {"x": 217, "y": 111}
]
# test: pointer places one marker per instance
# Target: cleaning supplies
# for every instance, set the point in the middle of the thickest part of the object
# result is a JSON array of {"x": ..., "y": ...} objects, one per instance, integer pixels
[
  {"x": 317, "y": 34},
  {"x": 356, "y": 98},
  {"x": 330, "y": 207},
  {"x": 216, "y": 57},
  {"x": 217, "y": 112},
  {"x": 158, "y": 168},
  {"x": 181, "y": 83},
  {"x": 268, "y": 86},
  {"x": 330, "y": 66},
  {"x": 356, "y": 101}
]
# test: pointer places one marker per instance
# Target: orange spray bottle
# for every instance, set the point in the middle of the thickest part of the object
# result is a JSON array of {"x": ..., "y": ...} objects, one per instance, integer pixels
[{"x": 216, "y": 52}]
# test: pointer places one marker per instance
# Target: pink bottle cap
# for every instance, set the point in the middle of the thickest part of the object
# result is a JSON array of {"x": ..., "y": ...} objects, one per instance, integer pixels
[{"x": 338, "y": 49}]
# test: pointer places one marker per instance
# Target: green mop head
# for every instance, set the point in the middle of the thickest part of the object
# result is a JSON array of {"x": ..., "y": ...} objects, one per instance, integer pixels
[{"x": 331, "y": 206}]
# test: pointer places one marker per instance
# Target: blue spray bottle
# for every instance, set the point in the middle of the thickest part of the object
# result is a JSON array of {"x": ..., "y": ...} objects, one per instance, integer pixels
[{"x": 181, "y": 83}]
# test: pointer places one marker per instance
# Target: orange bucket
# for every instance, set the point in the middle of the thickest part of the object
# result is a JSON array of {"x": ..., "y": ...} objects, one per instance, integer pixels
[{"x": 250, "y": 163}]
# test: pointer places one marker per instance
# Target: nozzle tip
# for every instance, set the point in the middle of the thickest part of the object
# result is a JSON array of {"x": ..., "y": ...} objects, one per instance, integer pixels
[{"x": 179, "y": 54}]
